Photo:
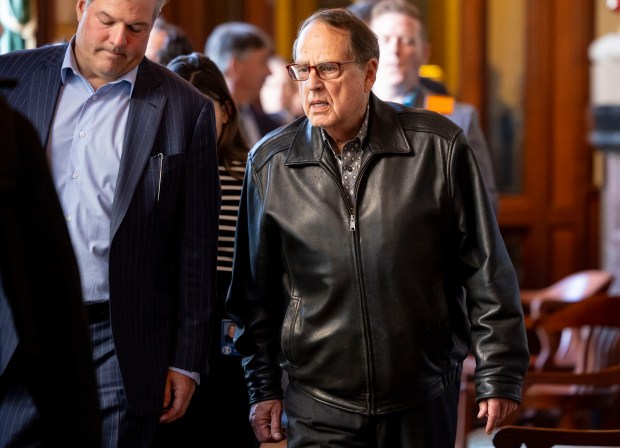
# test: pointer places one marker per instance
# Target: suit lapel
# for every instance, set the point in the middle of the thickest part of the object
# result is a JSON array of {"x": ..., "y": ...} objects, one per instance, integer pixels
[
  {"x": 46, "y": 79},
  {"x": 145, "y": 112}
]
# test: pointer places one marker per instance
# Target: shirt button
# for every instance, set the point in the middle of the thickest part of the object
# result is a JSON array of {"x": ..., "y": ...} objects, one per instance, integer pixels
[
  {"x": 68, "y": 218},
  {"x": 82, "y": 134},
  {"x": 95, "y": 97},
  {"x": 74, "y": 176}
]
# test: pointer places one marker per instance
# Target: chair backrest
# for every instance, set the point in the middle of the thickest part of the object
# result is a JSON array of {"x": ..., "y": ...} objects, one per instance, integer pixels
[
  {"x": 579, "y": 285},
  {"x": 595, "y": 321},
  {"x": 572, "y": 288},
  {"x": 595, "y": 381},
  {"x": 515, "y": 436}
]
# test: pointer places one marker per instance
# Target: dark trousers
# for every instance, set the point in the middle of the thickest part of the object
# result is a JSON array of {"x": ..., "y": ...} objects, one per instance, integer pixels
[
  {"x": 220, "y": 404},
  {"x": 314, "y": 424}
]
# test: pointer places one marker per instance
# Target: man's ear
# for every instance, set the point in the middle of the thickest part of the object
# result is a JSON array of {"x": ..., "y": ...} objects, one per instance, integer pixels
[
  {"x": 371, "y": 74},
  {"x": 80, "y": 7},
  {"x": 233, "y": 68}
]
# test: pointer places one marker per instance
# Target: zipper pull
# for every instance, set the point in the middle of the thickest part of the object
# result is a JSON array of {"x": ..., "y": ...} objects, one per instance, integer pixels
[{"x": 352, "y": 222}]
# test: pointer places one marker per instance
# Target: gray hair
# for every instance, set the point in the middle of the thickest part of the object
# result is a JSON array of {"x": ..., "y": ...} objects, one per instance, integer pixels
[
  {"x": 234, "y": 40},
  {"x": 158, "y": 7},
  {"x": 363, "y": 45}
]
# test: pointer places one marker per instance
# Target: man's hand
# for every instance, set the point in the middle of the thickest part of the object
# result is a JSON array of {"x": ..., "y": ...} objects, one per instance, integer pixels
[
  {"x": 496, "y": 409},
  {"x": 266, "y": 420},
  {"x": 177, "y": 394}
]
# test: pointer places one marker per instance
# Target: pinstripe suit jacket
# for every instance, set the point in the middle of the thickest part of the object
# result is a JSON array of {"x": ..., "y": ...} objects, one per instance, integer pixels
[{"x": 163, "y": 236}]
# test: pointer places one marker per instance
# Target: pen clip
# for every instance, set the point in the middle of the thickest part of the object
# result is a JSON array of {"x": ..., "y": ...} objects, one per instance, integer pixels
[{"x": 161, "y": 171}]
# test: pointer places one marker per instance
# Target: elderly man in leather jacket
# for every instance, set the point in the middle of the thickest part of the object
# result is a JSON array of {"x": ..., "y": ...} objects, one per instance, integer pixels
[{"x": 368, "y": 264}]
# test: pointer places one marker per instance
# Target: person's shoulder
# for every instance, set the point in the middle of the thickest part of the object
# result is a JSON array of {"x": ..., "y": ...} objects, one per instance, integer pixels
[
  {"x": 274, "y": 142},
  {"x": 464, "y": 115},
  {"x": 25, "y": 59},
  {"x": 464, "y": 108},
  {"x": 424, "y": 120},
  {"x": 176, "y": 88}
]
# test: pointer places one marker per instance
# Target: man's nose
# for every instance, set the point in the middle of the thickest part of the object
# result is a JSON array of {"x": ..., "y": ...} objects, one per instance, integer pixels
[
  {"x": 118, "y": 35},
  {"x": 314, "y": 82}
]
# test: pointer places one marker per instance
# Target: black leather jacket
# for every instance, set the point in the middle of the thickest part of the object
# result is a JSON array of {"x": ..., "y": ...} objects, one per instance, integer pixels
[{"x": 365, "y": 306}]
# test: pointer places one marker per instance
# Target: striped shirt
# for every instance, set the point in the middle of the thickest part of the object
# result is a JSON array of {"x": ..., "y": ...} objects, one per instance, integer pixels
[{"x": 231, "y": 194}]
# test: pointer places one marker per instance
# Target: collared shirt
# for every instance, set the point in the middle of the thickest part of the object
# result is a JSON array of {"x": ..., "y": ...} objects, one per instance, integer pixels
[
  {"x": 410, "y": 100},
  {"x": 350, "y": 159},
  {"x": 84, "y": 153}
]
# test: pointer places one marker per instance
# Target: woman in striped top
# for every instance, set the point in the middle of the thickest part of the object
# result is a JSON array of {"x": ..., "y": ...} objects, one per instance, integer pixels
[{"x": 221, "y": 401}]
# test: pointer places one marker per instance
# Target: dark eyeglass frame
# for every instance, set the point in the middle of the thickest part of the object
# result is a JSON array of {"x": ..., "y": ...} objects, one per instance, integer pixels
[{"x": 317, "y": 69}]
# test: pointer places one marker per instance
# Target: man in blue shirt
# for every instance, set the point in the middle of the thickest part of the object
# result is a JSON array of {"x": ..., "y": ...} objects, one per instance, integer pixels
[
  {"x": 404, "y": 49},
  {"x": 132, "y": 153}
]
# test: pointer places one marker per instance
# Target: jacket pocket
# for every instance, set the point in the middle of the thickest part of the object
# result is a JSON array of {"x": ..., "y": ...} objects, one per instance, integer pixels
[{"x": 288, "y": 330}]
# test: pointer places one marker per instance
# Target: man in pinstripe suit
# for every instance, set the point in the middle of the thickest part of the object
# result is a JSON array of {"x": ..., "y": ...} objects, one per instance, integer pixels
[{"x": 131, "y": 149}]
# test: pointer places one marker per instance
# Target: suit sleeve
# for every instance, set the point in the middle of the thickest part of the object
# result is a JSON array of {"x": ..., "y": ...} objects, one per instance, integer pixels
[
  {"x": 478, "y": 142},
  {"x": 198, "y": 247}
]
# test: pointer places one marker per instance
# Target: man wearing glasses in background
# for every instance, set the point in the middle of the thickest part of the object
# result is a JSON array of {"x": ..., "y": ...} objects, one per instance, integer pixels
[{"x": 360, "y": 230}]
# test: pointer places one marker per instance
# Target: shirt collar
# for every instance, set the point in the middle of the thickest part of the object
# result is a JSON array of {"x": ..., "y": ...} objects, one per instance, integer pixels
[
  {"x": 69, "y": 63},
  {"x": 361, "y": 134},
  {"x": 411, "y": 98}
]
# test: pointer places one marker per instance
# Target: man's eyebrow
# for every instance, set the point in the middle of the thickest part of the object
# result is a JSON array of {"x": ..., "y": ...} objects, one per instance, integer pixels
[{"x": 106, "y": 16}]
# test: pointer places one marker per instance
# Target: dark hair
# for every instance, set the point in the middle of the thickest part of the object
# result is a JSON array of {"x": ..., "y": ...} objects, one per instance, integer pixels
[
  {"x": 203, "y": 74},
  {"x": 363, "y": 45},
  {"x": 400, "y": 7}
]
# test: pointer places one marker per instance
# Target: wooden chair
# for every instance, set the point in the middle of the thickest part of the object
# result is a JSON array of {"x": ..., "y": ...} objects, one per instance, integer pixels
[
  {"x": 594, "y": 383},
  {"x": 515, "y": 436},
  {"x": 572, "y": 288}
]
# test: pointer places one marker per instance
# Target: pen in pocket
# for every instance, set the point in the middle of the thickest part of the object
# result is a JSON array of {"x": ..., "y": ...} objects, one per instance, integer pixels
[{"x": 161, "y": 171}]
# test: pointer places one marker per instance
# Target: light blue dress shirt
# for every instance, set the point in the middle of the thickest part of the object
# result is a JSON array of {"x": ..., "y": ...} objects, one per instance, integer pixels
[{"x": 84, "y": 153}]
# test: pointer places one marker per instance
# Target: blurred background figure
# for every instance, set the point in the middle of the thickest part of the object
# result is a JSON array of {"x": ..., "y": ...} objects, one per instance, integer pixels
[
  {"x": 221, "y": 400},
  {"x": 279, "y": 95},
  {"x": 241, "y": 51},
  {"x": 166, "y": 42},
  {"x": 404, "y": 49},
  {"x": 362, "y": 9}
]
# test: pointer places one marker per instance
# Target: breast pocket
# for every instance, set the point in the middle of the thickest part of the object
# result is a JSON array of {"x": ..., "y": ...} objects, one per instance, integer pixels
[{"x": 162, "y": 179}]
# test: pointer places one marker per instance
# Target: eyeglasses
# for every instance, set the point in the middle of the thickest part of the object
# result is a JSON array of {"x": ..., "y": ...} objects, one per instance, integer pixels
[{"x": 324, "y": 70}]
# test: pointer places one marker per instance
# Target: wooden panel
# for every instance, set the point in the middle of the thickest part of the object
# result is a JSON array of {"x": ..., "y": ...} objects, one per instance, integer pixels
[
  {"x": 46, "y": 20},
  {"x": 563, "y": 250},
  {"x": 288, "y": 16},
  {"x": 259, "y": 13},
  {"x": 473, "y": 51},
  {"x": 551, "y": 225},
  {"x": 570, "y": 110}
]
